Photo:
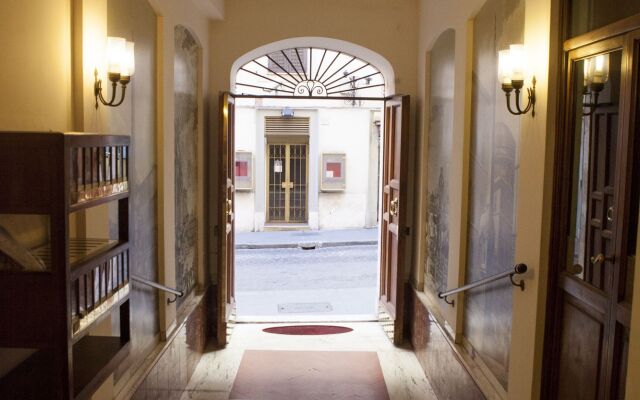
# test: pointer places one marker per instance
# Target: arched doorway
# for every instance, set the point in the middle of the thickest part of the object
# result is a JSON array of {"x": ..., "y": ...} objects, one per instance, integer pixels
[
  {"x": 312, "y": 161},
  {"x": 320, "y": 44}
]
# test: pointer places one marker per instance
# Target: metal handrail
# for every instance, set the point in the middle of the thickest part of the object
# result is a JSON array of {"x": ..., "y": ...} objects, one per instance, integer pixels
[
  {"x": 176, "y": 293},
  {"x": 517, "y": 270}
]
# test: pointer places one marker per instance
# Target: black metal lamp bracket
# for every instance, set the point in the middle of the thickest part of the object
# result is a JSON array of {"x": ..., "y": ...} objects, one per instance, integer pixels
[{"x": 531, "y": 97}]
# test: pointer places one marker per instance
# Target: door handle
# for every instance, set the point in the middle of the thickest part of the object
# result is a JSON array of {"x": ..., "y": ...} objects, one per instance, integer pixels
[
  {"x": 610, "y": 214},
  {"x": 600, "y": 258},
  {"x": 394, "y": 207},
  {"x": 229, "y": 207}
]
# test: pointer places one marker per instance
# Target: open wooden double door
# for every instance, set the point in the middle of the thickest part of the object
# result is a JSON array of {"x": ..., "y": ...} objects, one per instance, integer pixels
[{"x": 395, "y": 214}]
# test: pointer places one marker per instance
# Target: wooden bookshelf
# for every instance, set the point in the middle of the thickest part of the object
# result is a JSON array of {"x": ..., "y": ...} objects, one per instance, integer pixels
[{"x": 82, "y": 282}]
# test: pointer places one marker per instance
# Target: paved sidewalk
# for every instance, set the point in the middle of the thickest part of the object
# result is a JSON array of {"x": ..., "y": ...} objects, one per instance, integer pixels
[{"x": 293, "y": 239}]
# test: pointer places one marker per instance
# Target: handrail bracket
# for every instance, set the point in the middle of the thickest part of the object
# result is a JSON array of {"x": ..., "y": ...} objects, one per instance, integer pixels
[
  {"x": 450, "y": 302},
  {"x": 514, "y": 283},
  {"x": 175, "y": 298}
]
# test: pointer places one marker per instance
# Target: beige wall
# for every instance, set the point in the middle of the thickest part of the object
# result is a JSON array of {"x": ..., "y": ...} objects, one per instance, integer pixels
[
  {"x": 388, "y": 27},
  {"x": 35, "y": 60},
  {"x": 534, "y": 192},
  {"x": 49, "y": 52},
  {"x": 92, "y": 26},
  {"x": 533, "y": 197},
  {"x": 534, "y": 205},
  {"x": 192, "y": 17},
  {"x": 385, "y": 26},
  {"x": 434, "y": 20},
  {"x": 35, "y": 41}
]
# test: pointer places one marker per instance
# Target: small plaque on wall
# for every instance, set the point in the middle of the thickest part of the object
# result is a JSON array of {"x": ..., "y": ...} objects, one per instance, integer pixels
[
  {"x": 333, "y": 172},
  {"x": 244, "y": 170}
]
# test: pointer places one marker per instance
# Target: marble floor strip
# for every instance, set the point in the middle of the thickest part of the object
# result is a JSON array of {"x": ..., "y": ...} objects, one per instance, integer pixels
[{"x": 215, "y": 374}]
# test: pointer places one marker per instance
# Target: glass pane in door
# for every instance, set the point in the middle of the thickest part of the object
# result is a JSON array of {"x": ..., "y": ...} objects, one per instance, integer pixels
[
  {"x": 596, "y": 93},
  {"x": 277, "y": 172},
  {"x": 587, "y": 15},
  {"x": 298, "y": 177}
]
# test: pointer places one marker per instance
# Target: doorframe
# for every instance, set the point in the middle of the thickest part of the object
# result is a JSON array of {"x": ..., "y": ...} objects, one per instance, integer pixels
[
  {"x": 410, "y": 212},
  {"x": 259, "y": 203},
  {"x": 561, "y": 177}
]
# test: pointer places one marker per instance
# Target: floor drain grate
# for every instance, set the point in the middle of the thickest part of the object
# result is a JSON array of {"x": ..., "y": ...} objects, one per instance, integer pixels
[{"x": 297, "y": 308}]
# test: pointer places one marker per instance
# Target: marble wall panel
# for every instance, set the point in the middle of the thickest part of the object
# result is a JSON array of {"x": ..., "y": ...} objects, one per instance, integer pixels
[
  {"x": 186, "y": 64},
  {"x": 169, "y": 376},
  {"x": 448, "y": 378},
  {"x": 494, "y": 163},
  {"x": 439, "y": 159},
  {"x": 135, "y": 20}
]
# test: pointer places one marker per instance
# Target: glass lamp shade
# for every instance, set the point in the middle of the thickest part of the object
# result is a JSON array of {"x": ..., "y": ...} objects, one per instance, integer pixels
[
  {"x": 116, "y": 48},
  {"x": 596, "y": 69},
  {"x": 587, "y": 75},
  {"x": 504, "y": 67},
  {"x": 518, "y": 59},
  {"x": 600, "y": 68},
  {"x": 128, "y": 67}
]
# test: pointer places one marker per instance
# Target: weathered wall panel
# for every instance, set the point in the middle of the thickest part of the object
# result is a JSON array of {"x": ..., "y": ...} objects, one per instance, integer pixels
[
  {"x": 495, "y": 135},
  {"x": 442, "y": 57},
  {"x": 186, "y": 65}
]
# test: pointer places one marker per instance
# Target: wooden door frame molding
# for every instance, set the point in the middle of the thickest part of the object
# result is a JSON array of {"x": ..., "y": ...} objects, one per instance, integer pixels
[
  {"x": 617, "y": 28},
  {"x": 222, "y": 218},
  {"x": 611, "y": 36},
  {"x": 401, "y": 229}
]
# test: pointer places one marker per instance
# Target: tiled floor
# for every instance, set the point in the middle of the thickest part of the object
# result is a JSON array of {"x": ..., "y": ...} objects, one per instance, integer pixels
[
  {"x": 215, "y": 374},
  {"x": 309, "y": 375}
]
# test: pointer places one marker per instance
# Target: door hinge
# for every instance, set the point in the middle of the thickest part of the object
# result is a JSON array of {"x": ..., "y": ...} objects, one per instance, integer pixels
[
  {"x": 407, "y": 231},
  {"x": 216, "y": 230}
]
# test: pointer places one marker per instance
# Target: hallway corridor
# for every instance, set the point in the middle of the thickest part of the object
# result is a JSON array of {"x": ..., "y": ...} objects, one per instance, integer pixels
[
  {"x": 456, "y": 183},
  {"x": 217, "y": 371}
]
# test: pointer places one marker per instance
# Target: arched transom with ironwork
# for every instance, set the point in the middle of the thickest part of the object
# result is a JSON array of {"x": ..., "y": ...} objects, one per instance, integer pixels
[{"x": 309, "y": 72}]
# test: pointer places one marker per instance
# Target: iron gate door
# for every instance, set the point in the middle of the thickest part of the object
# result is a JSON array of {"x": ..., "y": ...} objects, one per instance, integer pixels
[{"x": 287, "y": 186}]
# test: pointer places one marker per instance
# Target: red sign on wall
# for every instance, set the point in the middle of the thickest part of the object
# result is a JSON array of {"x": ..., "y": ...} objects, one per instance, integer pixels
[
  {"x": 242, "y": 168},
  {"x": 334, "y": 170}
]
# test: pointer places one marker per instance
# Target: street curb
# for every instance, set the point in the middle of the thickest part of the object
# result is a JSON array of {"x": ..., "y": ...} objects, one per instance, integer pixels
[{"x": 304, "y": 245}]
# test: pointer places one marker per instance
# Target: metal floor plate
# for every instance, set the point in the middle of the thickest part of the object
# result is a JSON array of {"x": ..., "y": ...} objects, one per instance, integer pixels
[{"x": 300, "y": 308}]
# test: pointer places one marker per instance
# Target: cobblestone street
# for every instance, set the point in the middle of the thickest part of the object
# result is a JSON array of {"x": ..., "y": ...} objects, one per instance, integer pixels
[{"x": 305, "y": 281}]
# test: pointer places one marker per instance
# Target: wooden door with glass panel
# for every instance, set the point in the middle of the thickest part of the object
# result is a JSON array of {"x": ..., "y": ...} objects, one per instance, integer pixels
[
  {"x": 287, "y": 180},
  {"x": 596, "y": 222}
]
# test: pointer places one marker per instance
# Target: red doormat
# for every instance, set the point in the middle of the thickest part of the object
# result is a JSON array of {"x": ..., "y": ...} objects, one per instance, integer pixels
[
  {"x": 307, "y": 330},
  {"x": 309, "y": 375}
]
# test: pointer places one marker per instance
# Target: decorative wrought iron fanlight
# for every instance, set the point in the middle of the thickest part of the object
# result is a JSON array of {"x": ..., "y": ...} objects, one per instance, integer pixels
[{"x": 310, "y": 72}]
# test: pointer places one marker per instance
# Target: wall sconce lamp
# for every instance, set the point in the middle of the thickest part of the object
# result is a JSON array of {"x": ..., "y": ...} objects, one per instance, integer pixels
[
  {"x": 596, "y": 74},
  {"x": 511, "y": 71},
  {"x": 120, "y": 68}
]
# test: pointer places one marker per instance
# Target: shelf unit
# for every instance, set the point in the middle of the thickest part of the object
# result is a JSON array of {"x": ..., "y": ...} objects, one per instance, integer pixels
[{"x": 52, "y": 311}]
